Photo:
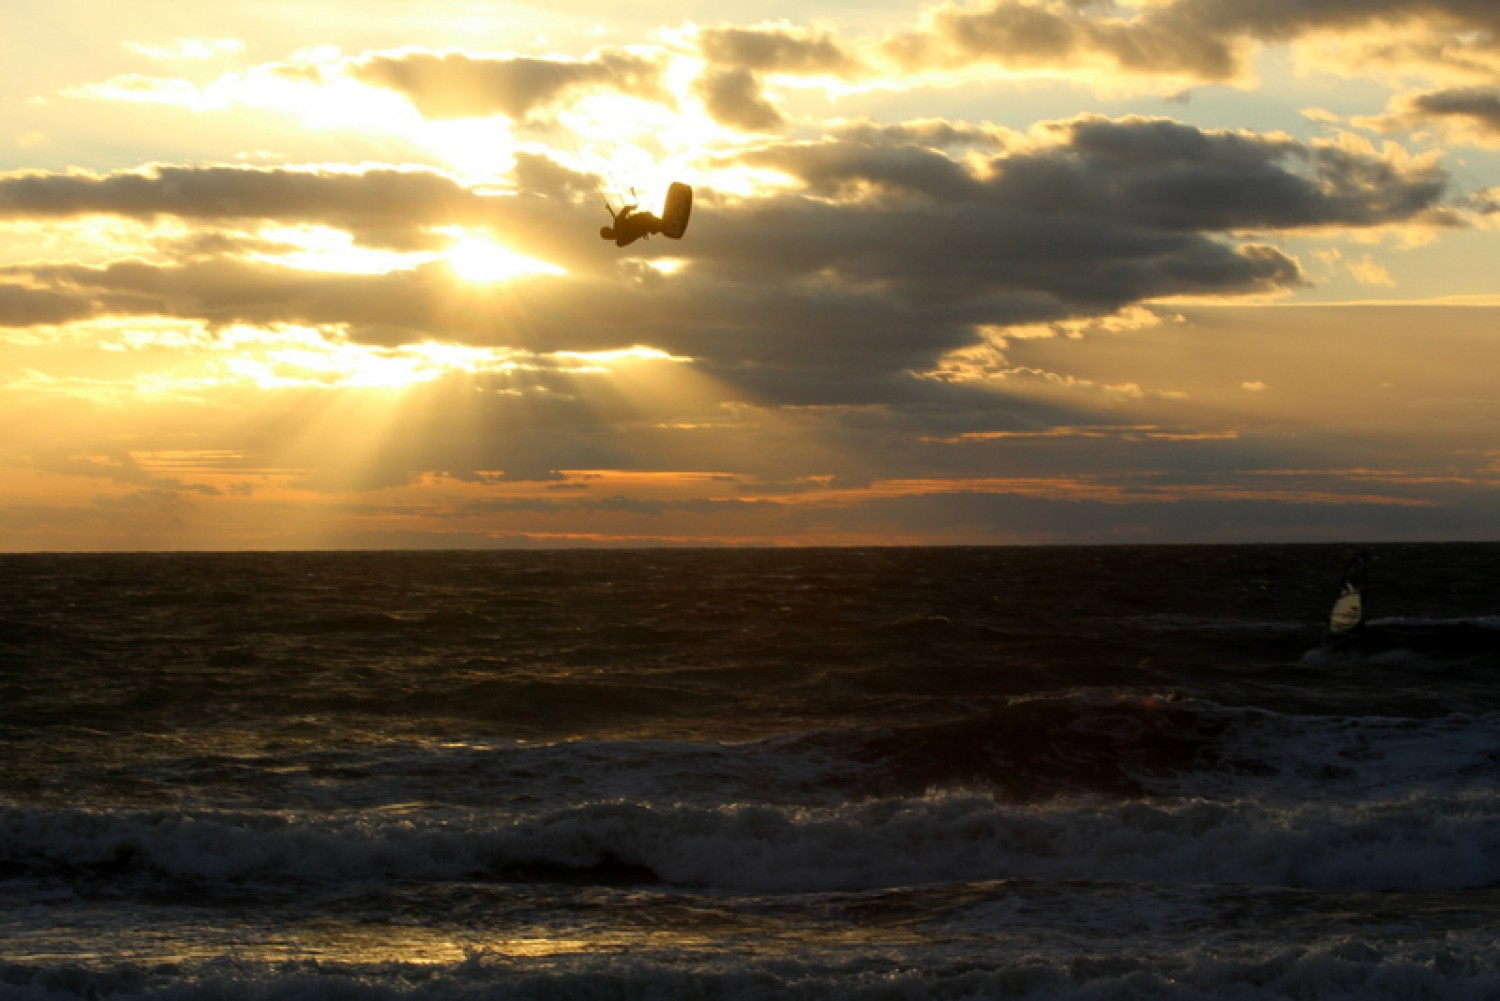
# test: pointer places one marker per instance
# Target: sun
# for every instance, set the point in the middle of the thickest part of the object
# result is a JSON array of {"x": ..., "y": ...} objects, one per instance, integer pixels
[{"x": 478, "y": 260}]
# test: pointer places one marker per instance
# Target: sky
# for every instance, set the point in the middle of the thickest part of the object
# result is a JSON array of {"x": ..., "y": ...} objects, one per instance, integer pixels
[{"x": 328, "y": 274}]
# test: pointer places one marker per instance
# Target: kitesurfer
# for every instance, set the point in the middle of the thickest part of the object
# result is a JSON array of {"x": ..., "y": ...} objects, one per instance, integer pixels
[{"x": 629, "y": 226}]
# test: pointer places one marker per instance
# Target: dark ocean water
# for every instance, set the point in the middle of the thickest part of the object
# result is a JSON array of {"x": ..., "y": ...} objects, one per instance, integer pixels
[{"x": 894, "y": 774}]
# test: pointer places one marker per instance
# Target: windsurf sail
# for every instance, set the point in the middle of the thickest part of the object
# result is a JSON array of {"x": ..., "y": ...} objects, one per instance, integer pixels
[{"x": 1347, "y": 617}]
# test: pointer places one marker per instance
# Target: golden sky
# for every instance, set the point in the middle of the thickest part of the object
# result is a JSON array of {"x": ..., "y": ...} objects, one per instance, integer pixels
[{"x": 328, "y": 274}]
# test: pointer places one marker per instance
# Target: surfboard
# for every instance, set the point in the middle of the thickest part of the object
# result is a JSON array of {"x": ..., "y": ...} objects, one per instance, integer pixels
[{"x": 677, "y": 210}]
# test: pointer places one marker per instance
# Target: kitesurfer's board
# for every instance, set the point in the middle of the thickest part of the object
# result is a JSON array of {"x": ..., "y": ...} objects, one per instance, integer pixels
[{"x": 675, "y": 213}]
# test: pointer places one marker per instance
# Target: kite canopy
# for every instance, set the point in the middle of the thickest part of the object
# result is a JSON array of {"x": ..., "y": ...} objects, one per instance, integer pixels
[{"x": 677, "y": 210}]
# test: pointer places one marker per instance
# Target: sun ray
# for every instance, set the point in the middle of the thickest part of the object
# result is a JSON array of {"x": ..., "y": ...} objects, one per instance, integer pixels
[{"x": 478, "y": 260}]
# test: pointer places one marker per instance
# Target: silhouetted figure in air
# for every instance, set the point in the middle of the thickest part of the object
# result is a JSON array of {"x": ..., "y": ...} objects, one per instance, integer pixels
[{"x": 630, "y": 226}]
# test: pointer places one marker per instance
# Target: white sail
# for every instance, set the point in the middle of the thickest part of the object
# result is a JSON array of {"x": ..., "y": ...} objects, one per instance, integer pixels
[
  {"x": 1347, "y": 613},
  {"x": 1346, "y": 619}
]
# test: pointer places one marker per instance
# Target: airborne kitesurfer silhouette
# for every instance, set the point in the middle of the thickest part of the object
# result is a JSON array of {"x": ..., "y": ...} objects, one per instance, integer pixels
[{"x": 630, "y": 224}]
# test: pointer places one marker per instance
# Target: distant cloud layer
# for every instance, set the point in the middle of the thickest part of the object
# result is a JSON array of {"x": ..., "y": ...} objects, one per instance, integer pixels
[
  {"x": 1183, "y": 42},
  {"x": 455, "y": 85},
  {"x": 1203, "y": 39}
]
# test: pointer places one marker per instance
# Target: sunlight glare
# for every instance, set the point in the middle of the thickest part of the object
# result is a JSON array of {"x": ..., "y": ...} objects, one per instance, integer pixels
[
  {"x": 479, "y": 260},
  {"x": 479, "y": 149},
  {"x": 322, "y": 248},
  {"x": 612, "y": 360},
  {"x": 309, "y": 358},
  {"x": 635, "y": 145},
  {"x": 667, "y": 265}
]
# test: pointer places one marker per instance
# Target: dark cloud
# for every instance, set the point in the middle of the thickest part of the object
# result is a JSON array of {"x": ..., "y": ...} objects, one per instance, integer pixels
[
  {"x": 1205, "y": 39},
  {"x": 1116, "y": 212},
  {"x": 1176, "y": 177},
  {"x": 618, "y": 504},
  {"x": 1045, "y": 35},
  {"x": 1008, "y": 518},
  {"x": 732, "y": 85},
  {"x": 734, "y": 97},
  {"x": 837, "y": 169},
  {"x": 415, "y": 304},
  {"x": 455, "y": 85},
  {"x": 28, "y": 307},
  {"x": 777, "y": 50},
  {"x": 118, "y": 465},
  {"x": 889, "y": 255},
  {"x": 369, "y": 202},
  {"x": 381, "y": 208},
  {"x": 1282, "y": 20},
  {"x": 934, "y": 133},
  {"x": 1476, "y": 106},
  {"x": 544, "y": 177},
  {"x": 1156, "y": 175}
]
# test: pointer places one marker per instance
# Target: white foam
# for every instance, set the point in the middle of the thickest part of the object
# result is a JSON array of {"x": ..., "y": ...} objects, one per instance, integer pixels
[{"x": 1425, "y": 841}]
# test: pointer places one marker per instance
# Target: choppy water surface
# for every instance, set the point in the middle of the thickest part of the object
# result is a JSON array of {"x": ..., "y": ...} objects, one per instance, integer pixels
[{"x": 1048, "y": 773}]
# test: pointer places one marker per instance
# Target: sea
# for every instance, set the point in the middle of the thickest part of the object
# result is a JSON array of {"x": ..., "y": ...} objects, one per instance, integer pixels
[{"x": 897, "y": 774}]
